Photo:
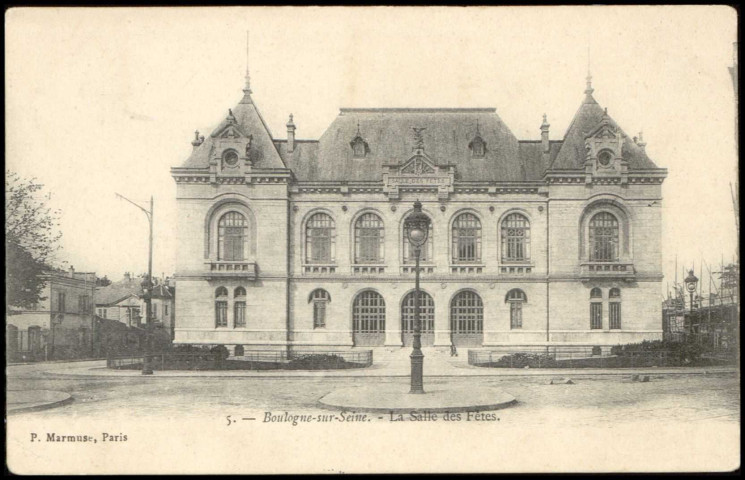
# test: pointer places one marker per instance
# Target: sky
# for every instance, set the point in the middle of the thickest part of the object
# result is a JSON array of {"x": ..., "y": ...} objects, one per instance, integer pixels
[{"x": 104, "y": 101}]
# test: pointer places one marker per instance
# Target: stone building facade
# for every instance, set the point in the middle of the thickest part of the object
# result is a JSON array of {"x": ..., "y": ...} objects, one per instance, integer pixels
[
  {"x": 61, "y": 325},
  {"x": 533, "y": 242}
]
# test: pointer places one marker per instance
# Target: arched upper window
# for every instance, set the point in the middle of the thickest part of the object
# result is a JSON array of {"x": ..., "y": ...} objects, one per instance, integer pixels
[
  {"x": 232, "y": 235},
  {"x": 596, "y": 293},
  {"x": 426, "y": 252},
  {"x": 368, "y": 239},
  {"x": 319, "y": 297},
  {"x": 221, "y": 307},
  {"x": 603, "y": 237},
  {"x": 614, "y": 293},
  {"x": 516, "y": 298},
  {"x": 466, "y": 238},
  {"x": 239, "y": 292},
  {"x": 320, "y": 239},
  {"x": 515, "y": 238}
]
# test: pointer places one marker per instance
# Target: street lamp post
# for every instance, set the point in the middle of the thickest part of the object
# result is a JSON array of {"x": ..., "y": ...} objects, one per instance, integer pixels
[
  {"x": 147, "y": 285},
  {"x": 691, "y": 281},
  {"x": 147, "y": 288},
  {"x": 417, "y": 229}
]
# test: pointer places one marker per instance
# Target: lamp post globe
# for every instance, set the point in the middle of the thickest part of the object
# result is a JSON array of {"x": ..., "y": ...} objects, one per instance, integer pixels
[
  {"x": 690, "y": 282},
  {"x": 417, "y": 228}
]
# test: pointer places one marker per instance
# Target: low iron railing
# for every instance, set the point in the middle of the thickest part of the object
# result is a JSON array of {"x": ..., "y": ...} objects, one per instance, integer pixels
[{"x": 565, "y": 357}]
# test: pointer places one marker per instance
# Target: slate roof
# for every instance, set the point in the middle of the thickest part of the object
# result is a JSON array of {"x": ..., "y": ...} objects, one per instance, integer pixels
[
  {"x": 572, "y": 153},
  {"x": 118, "y": 291},
  {"x": 389, "y": 135},
  {"x": 447, "y": 135},
  {"x": 263, "y": 152}
]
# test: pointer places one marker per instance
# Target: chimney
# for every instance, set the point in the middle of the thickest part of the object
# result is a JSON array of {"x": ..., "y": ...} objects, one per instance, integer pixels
[
  {"x": 72, "y": 271},
  {"x": 290, "y": 136},
  {"x": 127, "y": 277},
  {"x": 198, "y": 140},
  {"x": 544, "y": 134},
  {"x": 642, "y": 144}
]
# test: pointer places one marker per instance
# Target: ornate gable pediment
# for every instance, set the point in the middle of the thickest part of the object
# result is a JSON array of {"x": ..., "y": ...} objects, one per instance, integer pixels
[
  {"x": 604, "y": 150},
  {"x": 418, "y": 173},
  {"x": 418, "y": 165}
]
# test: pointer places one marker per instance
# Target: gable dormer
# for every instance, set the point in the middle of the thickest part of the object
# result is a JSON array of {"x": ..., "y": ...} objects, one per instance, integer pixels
[
  {"x": 231, "y": 151},
  {"x": 604, "y": 149},
  {"x": 477, "y": 146},
  {"x": 360, "y": 148}
]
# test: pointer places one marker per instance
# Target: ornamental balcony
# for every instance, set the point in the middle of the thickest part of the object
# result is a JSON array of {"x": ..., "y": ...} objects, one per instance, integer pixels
[
  {"x": 233, "y": 269},
  {"x": 615, "y": 270}
]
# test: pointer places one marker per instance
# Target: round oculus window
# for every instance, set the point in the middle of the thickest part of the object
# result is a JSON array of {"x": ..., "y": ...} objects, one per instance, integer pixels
[
  {"x": 605, "y": 158},
  {"x": 231, "y": 159}
]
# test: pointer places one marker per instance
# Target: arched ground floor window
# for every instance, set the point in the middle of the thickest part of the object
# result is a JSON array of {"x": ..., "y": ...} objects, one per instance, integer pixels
[
  {"x": 426, "y": 315},
  {"x": 467, "y": 319},
  {"x": 368, "y": 319}
]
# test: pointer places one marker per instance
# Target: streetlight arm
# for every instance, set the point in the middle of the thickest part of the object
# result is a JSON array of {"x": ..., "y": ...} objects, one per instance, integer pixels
[{"x": 147, "y": 212}]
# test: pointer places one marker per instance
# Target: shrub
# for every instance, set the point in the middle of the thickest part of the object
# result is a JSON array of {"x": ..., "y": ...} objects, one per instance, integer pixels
[
  {"x": 318, "y": 361},
  {"x": 522, "y": 360}
]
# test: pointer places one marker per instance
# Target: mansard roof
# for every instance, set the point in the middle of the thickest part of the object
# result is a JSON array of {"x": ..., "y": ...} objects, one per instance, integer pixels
[
  {"x": 249, "y": 122},
  {"x": 571, "y": 156},
  {"x": 389, "y": 135}
]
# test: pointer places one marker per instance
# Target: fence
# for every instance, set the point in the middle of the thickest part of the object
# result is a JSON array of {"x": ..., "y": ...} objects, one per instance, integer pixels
[
  {"x": 251, "y": 360},
  {"x": 564, "y": 357}
]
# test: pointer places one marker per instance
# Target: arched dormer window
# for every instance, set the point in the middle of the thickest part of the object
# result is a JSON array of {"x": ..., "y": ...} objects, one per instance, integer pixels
[
  {"x": 477, "y": 147},
  {"x": 515, "y": 238},
  {"x": 320, "y": 239},
  {"x": 603, "y": 237},
  {"x": 232, "y": 235},
  {"x": 516, "y": 298},
  {"x": 359, "y": 145}
]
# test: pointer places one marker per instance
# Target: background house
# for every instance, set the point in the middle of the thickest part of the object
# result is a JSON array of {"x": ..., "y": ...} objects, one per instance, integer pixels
[{"x": 59, "y": 326}]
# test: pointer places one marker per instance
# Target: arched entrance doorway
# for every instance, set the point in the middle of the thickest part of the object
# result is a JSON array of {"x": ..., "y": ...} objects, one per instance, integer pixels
[
  {"x": 467, "y": 319},
  {"x": 426, "y": 314},
  {"x": 368, "y": 319}
]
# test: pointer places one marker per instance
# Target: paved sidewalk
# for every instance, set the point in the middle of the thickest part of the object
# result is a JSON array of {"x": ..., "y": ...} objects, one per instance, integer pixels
[
  {"x": 387, "y": 363},
  {"x": 32, "y": 400}
]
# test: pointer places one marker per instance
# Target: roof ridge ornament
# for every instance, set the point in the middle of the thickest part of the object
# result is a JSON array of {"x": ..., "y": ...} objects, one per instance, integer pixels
[
  {"x": 418, "y": 137},
  {"x": 247, "y": 88},
  {"x": 231, "y": 117}
]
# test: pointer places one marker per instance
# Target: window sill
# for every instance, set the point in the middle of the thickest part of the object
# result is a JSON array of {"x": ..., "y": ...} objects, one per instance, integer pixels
[
  {"x": 319, "y": 268},
  {"x": 368, "y": 268},
  {"x": 467, "y": 268}
]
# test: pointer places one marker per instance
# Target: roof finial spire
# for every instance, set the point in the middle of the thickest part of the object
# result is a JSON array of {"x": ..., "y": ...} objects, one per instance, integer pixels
[
  {"x": 589, "y": 89},
  {"x": 247, "y": 88},
  {"x": 641, "y": 141},
  {"x": 358, "y": 128}
]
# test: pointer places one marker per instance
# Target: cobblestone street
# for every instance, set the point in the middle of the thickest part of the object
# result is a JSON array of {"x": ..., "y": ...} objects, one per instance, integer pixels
[{"x": 592, "y": 400}]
